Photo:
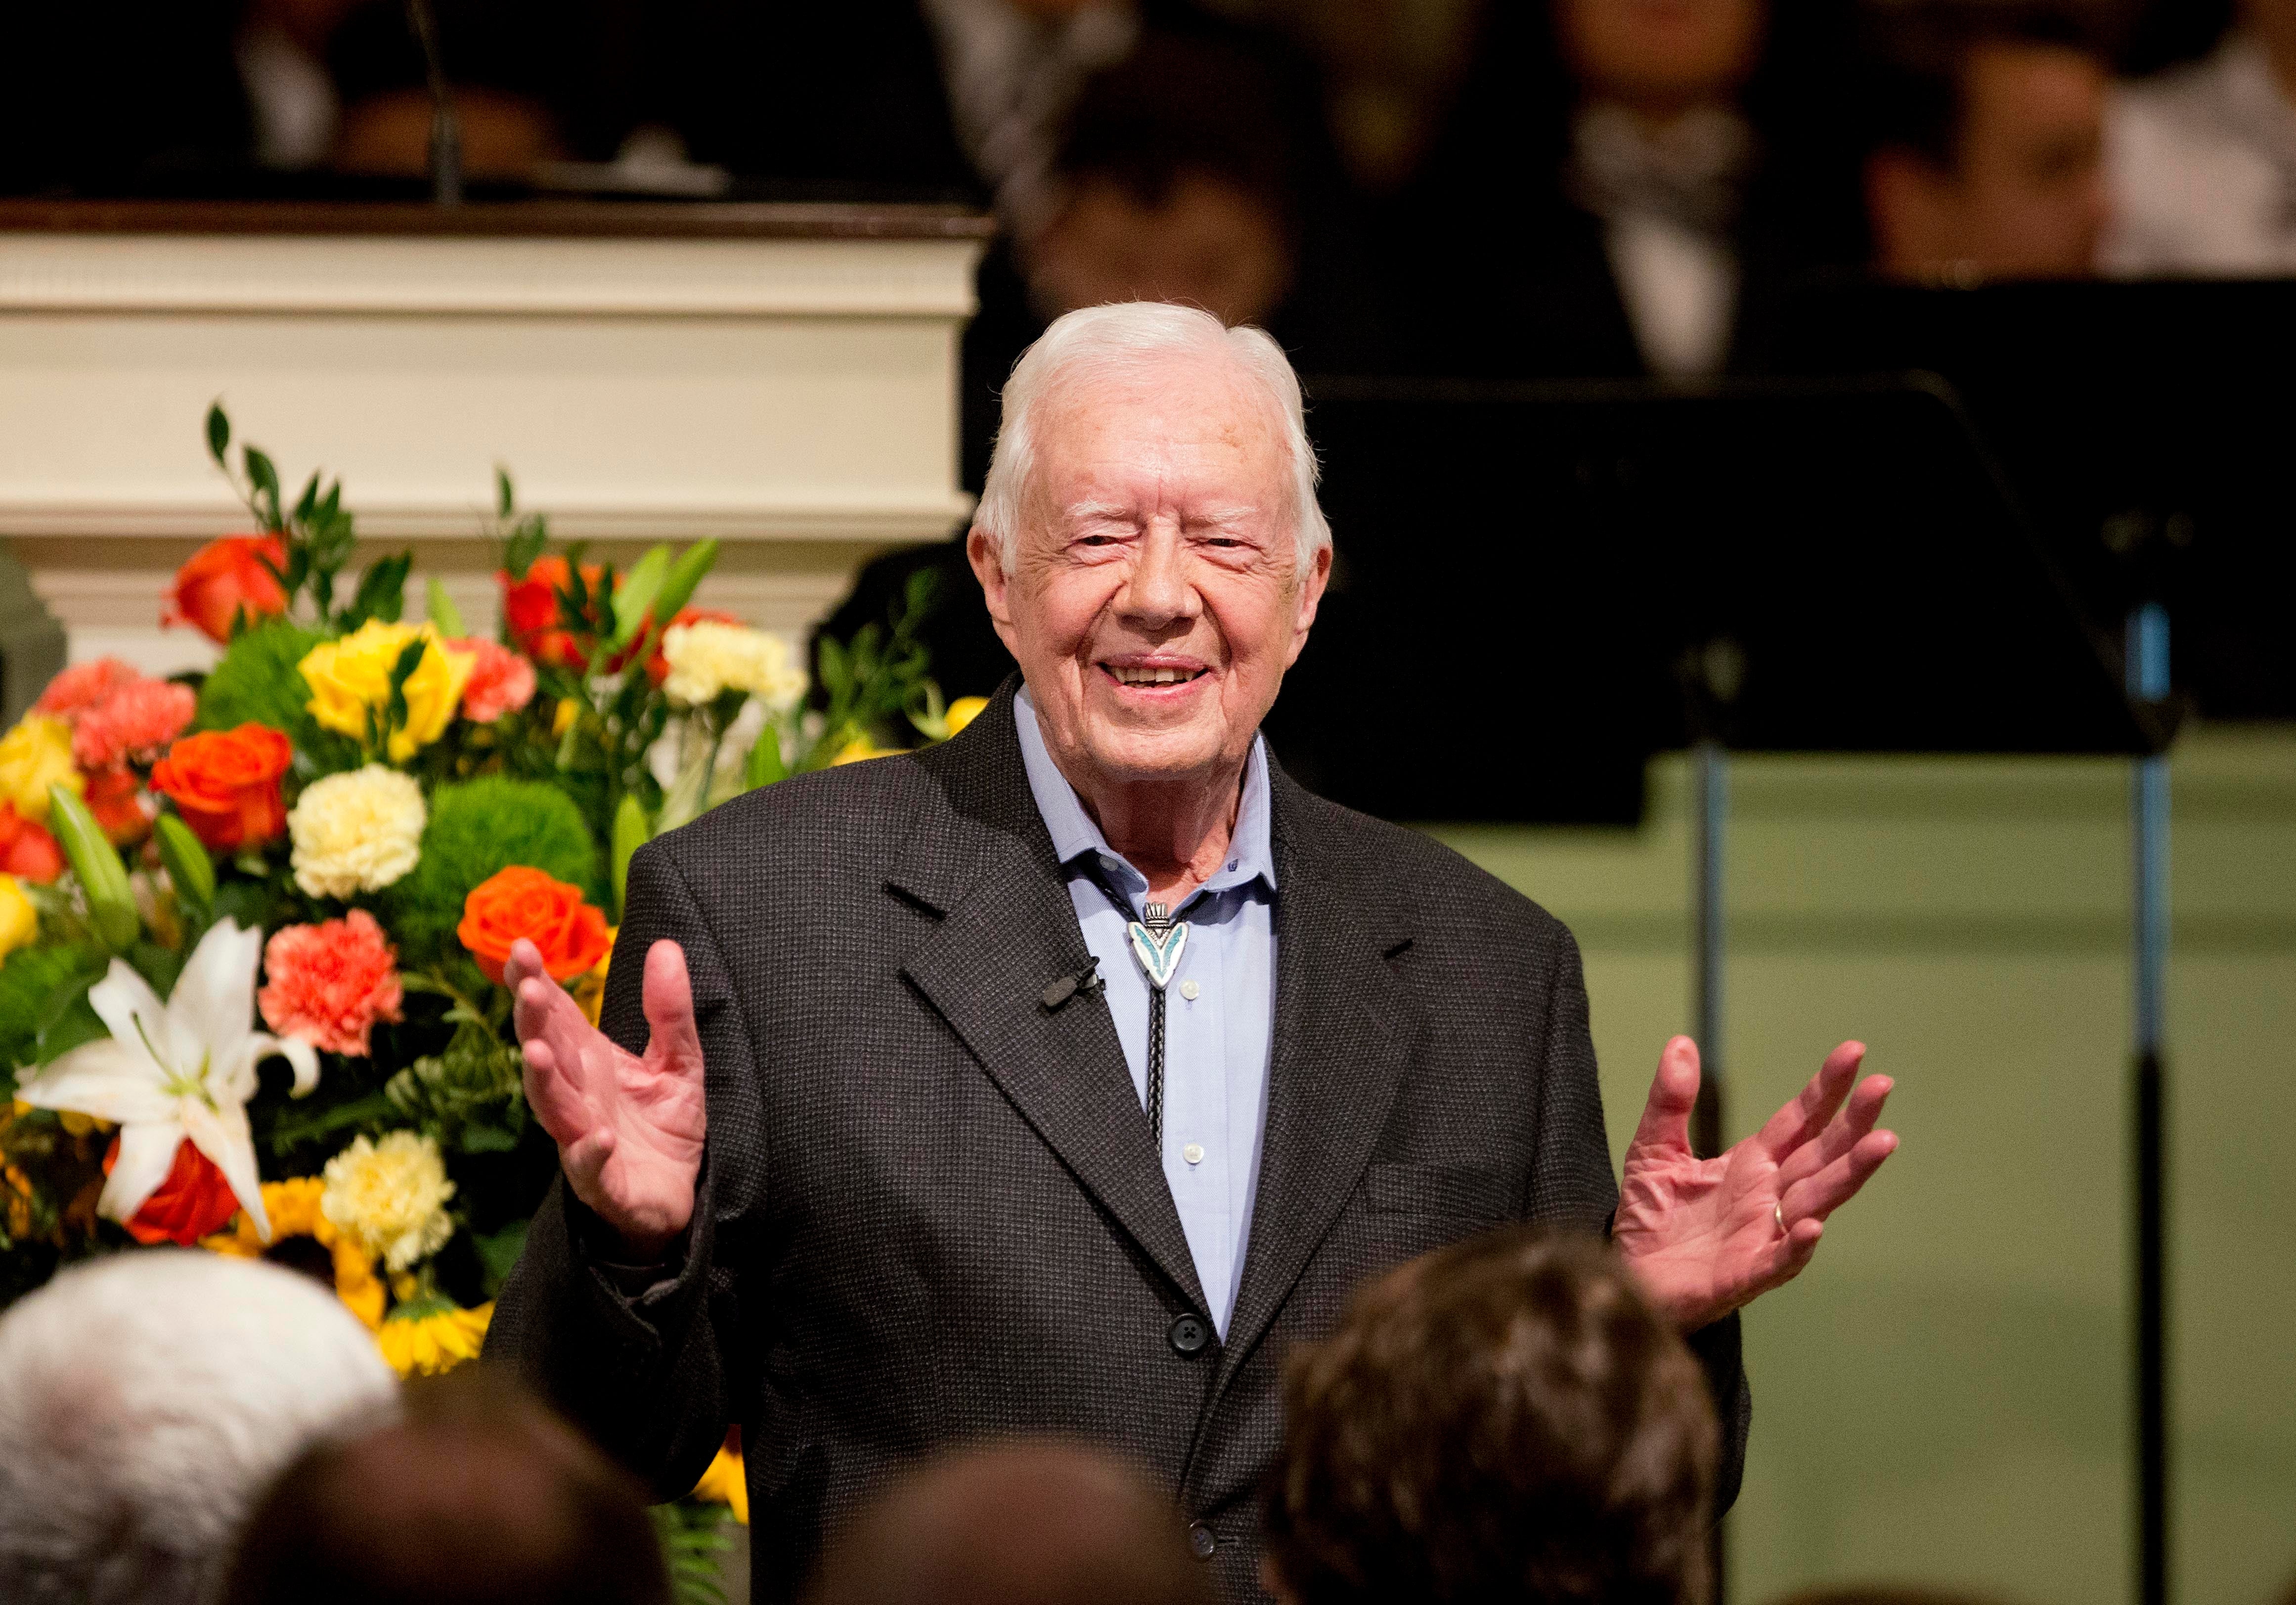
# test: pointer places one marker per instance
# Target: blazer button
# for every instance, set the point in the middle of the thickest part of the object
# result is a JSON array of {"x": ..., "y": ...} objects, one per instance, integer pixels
[
  {"x": 1188, "y": 1335},
  {"x": 1201, "y": 1541}
]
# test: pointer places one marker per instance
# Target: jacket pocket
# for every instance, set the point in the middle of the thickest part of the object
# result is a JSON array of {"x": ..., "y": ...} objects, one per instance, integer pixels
[{"x": 1449, "y": 1192}]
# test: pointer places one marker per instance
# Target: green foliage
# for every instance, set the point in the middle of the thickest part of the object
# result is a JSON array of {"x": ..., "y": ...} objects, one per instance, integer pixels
[
  {"x": 315, "y": 534},
  {"x": 442, "y": 610},
  {"x": 477, "y": 827},
  {"x": 189, "y": 870},
  {"x": 43, "y": 1002},
  {"x": 382, "y": 592},
  {"x": 258, "y": 682},
  {"x": 95, "y": 863},
  {"x": 498, "y": 1252},
  {"x": 692, "y": 1536},
  {"x": 468, "y": 1097},
  {"x": 876, "y": 679}
]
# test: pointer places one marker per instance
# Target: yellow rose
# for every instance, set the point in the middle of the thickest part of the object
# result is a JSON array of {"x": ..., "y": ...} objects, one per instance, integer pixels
[
  {"x": 33, "y": 757},
  {"x": 20, "y": 921},
  {"x": 964, "y": 711},
  {"x": 349, "y": 677}
]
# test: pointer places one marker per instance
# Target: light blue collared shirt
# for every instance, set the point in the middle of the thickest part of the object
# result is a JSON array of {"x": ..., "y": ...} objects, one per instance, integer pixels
[{"x": 1218, "y": 1012}]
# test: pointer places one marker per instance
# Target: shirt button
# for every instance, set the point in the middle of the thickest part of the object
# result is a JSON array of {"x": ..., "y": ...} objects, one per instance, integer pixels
[
  {"x": 1202, "y": 1542},
  {"x": 1188, "y": 989},
  {"x": 1188, "y": 1335},
  {"x": 1193, "y": 1153}
]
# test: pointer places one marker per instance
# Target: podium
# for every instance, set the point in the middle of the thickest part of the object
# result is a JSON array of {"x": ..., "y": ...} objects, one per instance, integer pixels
[{"x": 781, "y": 376}]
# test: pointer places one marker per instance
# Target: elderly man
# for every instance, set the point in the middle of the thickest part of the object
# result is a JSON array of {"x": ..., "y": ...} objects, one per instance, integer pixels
[
  {"x": 146, "y": 1403},
  {"x": 1061, "y": 1078}
]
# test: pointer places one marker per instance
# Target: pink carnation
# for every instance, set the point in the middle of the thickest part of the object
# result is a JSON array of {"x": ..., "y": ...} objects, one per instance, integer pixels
[
  {"x": 138, "y": 718},
  {"x": 501, "y": 681},
  {"x": 82, "y": 686},
  {"x": 329, "y": 982}
]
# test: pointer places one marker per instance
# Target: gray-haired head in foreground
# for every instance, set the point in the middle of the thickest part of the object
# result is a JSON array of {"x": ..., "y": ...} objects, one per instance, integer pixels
[
  {"x": 146, "y": 1401},
  {"x": 1126, "y": 338}
]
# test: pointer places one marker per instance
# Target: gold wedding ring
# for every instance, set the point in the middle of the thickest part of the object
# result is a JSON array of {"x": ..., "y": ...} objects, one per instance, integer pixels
[{"x": 1778, "y": 1213}]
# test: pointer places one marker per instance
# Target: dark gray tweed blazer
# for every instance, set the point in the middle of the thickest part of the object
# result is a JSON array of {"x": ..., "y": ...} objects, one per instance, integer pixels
[{"x": 931, "y": 1211}]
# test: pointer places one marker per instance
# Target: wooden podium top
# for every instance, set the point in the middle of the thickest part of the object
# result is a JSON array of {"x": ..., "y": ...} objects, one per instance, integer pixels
[{"x": 516, "y": 219}]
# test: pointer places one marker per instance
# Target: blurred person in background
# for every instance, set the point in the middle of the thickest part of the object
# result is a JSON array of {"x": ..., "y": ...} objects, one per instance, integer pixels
[
  {"x": 1988, "y": 160},
  {"x": 2203, "y": 157},
  {"x": 1503, "y": 1419},
  {"x": 479, "y": 1497},
  {"x": 1623, "y": 187},
  {"x": 146, "y": 1401},
  {"x": 1045, "y": 1523}
]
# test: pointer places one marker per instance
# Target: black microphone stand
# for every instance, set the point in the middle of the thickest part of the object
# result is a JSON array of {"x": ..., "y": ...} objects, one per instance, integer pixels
[{"x": 445, "y": 130}]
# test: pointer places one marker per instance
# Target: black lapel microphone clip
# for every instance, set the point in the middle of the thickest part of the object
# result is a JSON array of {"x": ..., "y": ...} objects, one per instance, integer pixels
[{"x": 1085, "y": 980}]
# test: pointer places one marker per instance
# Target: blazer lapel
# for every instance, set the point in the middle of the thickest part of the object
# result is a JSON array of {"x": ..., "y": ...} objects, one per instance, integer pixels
[
  {"x": 1343, "y": 1033},
  {"x": 1007, "y": 930}
]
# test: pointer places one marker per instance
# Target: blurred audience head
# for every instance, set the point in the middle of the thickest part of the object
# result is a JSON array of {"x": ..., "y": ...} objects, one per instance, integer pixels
[
  {"x": 1177, "y": 179},
  {"x": 1882, "y": 1595},
  {"x": 146, "y": 1401},
  {"x": 1504, "y": 1419},
  {"x": 1988, "y": 160},
  {"x": 1024, "y": 1524},
  {"x": 1659, "y": 58},
  {"x": 479, "y": 1495}
]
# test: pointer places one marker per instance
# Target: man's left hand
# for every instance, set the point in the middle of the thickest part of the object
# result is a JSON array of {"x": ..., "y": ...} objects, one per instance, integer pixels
[{"x": 1705, "y": 1236}]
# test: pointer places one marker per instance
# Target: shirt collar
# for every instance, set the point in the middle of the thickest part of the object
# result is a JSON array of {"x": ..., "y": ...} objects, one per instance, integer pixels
[{"x": 1249, "y": 856}]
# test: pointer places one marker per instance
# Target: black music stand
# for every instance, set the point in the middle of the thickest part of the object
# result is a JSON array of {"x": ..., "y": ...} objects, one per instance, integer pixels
[
  {"x": 2144, "y": 425},
  {"x": 1757, "y": 566}
]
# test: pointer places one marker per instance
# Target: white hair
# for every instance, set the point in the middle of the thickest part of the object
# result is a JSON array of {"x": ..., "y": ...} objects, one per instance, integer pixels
[
  {"x": 146, "y": 1403},
  {"x": 1126, "y": 338}
]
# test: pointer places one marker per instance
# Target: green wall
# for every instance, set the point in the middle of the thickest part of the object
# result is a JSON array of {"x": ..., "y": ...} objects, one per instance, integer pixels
[{"x": 1944, "y": 1396}]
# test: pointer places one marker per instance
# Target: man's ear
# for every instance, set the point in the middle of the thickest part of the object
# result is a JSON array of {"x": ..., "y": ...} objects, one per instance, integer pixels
[
  {"x": 1311, "y": 597},
  {"x": 995, "y": 585}
]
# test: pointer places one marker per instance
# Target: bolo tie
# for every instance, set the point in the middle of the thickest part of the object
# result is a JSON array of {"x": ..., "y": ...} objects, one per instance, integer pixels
[{"x": 1158, "y": 940}]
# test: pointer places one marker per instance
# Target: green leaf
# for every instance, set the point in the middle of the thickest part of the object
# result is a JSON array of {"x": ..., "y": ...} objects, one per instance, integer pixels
[
  {"x": 382, "y": 592},
  {"x": 265, "y": 478},
  {"x": 410, "y": 658},
  {"x": 189, "y": 867},
  {"x": 218, "y": 430},
  {"x": 37, "y": 986},
  {"x": 442, "y": 610},
  {"x": 639, "y": 589},
  {"x": 298, "y": 1126},
  {"x": 632, "y": 831},
  {"x": 308, "y": 500},
  {"x": 75, "y": 1025},
  {"x": 499, "y": 1251},
  {"x": 836, "y": 674},
  {"x": 765, "y": 764},
  {"x": 524, "y": 546},
  {"x": 506, "y": 496},
  {"x": 685, "y": 575}
]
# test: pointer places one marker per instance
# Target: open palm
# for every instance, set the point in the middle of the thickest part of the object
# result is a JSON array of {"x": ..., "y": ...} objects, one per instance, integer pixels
[
  {"x": 1705, "y": 1236},
  {"x": 629, "y": 1127}
]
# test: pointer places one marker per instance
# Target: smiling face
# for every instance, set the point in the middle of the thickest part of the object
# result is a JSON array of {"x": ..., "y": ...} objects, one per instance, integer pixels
[{"x": 1156, "y": 597}]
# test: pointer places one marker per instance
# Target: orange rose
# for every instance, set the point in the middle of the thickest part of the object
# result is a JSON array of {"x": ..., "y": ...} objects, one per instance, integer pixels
[
  {"x": 194, "y": 1200},
  {"x": 531, "y": 612},
  {"x": 225, "y": 580},
  {"x": 225, "y": 784},
  {"x": 27, "y": 850},
  {"x": 117, "y": 801},
  {"x": 522, "y": 902}
]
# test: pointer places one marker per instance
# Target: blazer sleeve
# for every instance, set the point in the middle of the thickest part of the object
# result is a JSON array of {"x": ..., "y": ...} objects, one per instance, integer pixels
[
  {"x": 638, "y": 1356},
  {"x": 1571, "y": 1183}
]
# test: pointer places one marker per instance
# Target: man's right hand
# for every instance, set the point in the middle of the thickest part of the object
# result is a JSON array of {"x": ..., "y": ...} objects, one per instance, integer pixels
[{"x": 628, "y": 1129}]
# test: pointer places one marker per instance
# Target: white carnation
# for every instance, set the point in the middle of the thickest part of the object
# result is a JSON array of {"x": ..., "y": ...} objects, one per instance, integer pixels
[
  {"x": 357, "y": 833},
  {"x": 707, "y": 659}
]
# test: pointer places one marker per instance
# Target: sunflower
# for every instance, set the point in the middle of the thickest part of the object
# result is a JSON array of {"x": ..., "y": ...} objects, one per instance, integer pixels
[
  {"x": 427, "y": 1335},
  {"x": 303, "y": 1239}
]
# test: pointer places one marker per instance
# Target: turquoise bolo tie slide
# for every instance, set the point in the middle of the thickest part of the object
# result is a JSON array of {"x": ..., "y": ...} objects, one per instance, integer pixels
[{"x": 1158, "y": 942}]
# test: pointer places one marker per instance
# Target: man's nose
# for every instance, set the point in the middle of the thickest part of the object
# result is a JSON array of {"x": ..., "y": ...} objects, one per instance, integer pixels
[{"x": 1158, "y": 591}]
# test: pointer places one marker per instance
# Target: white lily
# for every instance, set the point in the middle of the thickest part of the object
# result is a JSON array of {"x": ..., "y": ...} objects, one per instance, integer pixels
[{"x": 180, "y": 1070}]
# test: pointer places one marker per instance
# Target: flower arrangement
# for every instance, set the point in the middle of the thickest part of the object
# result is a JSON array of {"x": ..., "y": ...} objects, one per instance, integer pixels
[{"x": 254, "y": 922}]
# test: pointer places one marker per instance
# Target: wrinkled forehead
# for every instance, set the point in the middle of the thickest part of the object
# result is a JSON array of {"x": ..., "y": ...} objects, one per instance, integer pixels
[{"x": 1183, "y": 425}]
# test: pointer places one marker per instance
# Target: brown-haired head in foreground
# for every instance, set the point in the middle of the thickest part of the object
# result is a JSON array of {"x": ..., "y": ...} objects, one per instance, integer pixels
[
  {"x": 1867, "y": 1595},
  {"x": 1502, "y": 1420},
  {"x": 480, "y": 1496},
  {"x": 1041, "y": 1523}
]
